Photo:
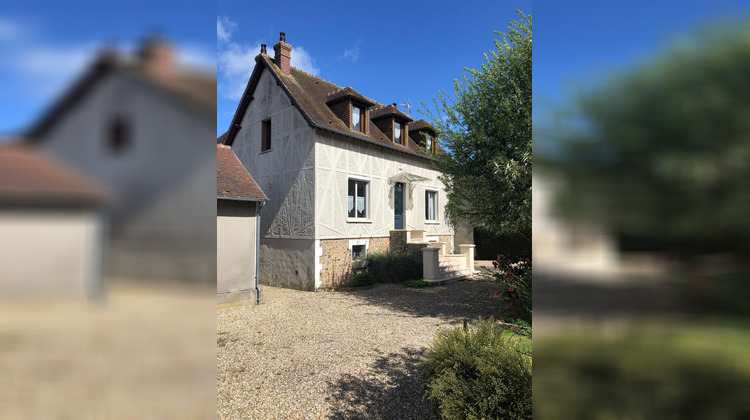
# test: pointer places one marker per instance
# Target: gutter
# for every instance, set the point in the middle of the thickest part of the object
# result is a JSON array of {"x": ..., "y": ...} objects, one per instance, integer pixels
[{"x": 258, "y": 207}]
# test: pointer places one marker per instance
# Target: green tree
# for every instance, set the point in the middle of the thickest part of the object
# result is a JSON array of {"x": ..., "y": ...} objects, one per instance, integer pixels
[
  {"x": 486, "y": 130},
  {"x": 661, "y": 154}
]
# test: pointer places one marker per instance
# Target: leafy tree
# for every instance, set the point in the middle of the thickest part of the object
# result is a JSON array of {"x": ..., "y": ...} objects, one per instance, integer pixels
[
  {"x": 661, "y": 154},
  {"x": 486, "y": 129}
]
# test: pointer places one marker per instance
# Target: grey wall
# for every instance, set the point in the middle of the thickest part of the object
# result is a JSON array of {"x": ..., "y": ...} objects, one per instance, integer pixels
[
  {"x": 235, "y": 246},
  {"x": 163, "y": 208}
]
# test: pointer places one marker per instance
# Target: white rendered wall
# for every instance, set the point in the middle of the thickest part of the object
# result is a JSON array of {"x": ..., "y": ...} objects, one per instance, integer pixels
[
  {"x": 235, "y": 246},
  {"x": 49, "y": 252},
  {"x": 285, "y": 173},
  {"x": 337, "y": 157}
]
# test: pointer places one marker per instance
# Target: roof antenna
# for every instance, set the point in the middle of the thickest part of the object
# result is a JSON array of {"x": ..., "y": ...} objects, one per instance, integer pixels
[{"x": 407, "y": 106}]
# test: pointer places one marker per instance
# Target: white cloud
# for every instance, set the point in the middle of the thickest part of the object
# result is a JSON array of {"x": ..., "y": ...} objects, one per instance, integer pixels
[
  {"x": 197, "y": 56},
  {"x": 302, "y": 60},
  {"x": 353, "y": 53},
  {"x": 10, "y": 30},
  {"x": 47, "y": 70},
  {"x": 224, "y": 28},
  {"x": 235, "y": 61}
]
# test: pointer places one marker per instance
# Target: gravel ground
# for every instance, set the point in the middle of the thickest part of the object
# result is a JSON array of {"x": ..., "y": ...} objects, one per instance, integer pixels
[
  {"x": 337, "y": 354},
  {"x": 147, "y": 353}
]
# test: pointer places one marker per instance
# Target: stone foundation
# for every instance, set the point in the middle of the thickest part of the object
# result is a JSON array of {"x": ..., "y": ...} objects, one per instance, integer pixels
[{"x": 336, "y": 258}]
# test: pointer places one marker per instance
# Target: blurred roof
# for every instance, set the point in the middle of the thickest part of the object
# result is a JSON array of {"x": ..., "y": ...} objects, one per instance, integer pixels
[
  {"x": 194, "y": 90},
  {"x": 28, "y": 177},
  {"x": 232, "y": 179}
]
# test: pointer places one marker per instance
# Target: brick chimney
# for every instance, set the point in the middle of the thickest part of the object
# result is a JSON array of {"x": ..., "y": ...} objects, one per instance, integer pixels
[
  {"x": 282, "y": 54},
  {"x": 157, "y": 57}
]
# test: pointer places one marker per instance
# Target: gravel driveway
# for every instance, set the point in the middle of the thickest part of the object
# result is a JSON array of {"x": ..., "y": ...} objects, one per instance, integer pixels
[{"x": 337, "y": 354}]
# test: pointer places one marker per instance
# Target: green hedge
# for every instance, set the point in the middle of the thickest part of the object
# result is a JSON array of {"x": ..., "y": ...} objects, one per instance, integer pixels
[
  {"x": 480, "y": 373},
  {"x": 395, "y": 266}
]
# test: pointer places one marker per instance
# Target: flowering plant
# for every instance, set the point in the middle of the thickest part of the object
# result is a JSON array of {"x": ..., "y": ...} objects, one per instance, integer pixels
[{"x": 515, "y": 276}]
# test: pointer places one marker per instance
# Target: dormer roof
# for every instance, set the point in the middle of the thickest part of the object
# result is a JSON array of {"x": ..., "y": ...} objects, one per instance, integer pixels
[
  {"x": 384, "y": 111},
  {"x": 348, "y": 93}
]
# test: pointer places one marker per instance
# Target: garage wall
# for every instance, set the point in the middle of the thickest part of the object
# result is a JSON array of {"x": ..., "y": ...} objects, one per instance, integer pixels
[{"x": 49, "y": 252}]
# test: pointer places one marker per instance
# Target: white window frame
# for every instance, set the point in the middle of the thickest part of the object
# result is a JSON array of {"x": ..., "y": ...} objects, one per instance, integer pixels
[
  {"x": 426, "y": 204},
  {"x": 358, "y": 242},
  {"x": 356, "y": 219}
]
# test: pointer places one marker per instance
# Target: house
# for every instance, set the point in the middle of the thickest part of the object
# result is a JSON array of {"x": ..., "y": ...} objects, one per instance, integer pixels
[
  {"x": 345, "y": 175},
  {"x": 239, "y": 200},
  {"x": 51, "y": 226},
  {"x": 144, "y": 127}
]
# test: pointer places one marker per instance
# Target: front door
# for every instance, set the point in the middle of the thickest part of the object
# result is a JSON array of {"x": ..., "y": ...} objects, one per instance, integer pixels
[{"x": 398, "y": 205}]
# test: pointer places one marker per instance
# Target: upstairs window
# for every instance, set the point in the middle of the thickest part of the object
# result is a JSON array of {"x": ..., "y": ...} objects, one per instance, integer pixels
[
  {"x": 398, "y": 133},
  {"x": 430, "y": 143},
  {"x": 118, "y": 135},
  {"x": 430, "y": 208},
  {"x": 357, "y": 198},
  {"x": 358, "y": 119},
  {"x": 265, "y": 142}
]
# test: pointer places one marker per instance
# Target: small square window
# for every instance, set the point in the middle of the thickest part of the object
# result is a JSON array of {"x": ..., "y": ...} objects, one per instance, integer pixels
[
  {"x": 265, "y": 143},
  {"x": 430, "y": 208},
  {"x": 359, "y": 252}
]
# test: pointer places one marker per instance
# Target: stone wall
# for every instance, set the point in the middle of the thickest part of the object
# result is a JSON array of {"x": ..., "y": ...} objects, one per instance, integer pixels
[{"x": 336, "y": 258}]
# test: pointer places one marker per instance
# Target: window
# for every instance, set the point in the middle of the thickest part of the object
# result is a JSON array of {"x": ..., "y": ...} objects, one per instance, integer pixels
[
  {"x": 429, "y": 144},
  {"x": 357, "y": 198},
  {"x": 359, "y": 252},
  {"x": 430, "y": 208},
  {"x": 398, "y": 131},
  {"x": 265, "y": 143},
  {"x": 358, "y": 119},
  {"x": 118, "y": 135}
]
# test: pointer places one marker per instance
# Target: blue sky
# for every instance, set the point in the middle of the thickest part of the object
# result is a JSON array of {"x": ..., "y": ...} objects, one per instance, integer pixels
[
  {"x": 43, "y": 53},
  {"x": 578, "y": 41},
  {"x": 389, "y": 51}
]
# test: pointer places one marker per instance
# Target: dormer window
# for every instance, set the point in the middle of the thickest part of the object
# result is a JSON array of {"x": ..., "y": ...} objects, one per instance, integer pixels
[
  {"x": 398, "y": 132},
  {"x": 430, "y": 144},
  {"x": 358, "y": 119}
]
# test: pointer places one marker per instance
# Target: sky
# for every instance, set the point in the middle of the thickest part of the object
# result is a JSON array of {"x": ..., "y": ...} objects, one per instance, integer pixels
[
  {"x": 389, "y": 51},
  {"x": 578, "y": 42},
  {"x": 43, "y": 53}
]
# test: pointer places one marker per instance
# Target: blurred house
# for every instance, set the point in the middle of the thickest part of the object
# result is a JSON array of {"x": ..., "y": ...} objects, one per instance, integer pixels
[
  {"x": 51, "y": 226},
  {"x": 239, "y": 200},
  {"x": 144, "y": 128}
]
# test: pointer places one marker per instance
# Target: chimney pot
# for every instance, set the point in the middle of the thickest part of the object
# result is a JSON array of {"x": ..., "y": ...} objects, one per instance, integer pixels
[
  {"x": 263, "y": 49},
  {"x": 282, "y": 37}
]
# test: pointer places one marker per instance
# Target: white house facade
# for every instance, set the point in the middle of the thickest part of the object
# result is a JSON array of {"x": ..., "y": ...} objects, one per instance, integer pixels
[{"x": 345, "y": 176}]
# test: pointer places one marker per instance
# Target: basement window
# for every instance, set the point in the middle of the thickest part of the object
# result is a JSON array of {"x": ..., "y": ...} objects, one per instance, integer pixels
[{"x": 359, "y": 252}]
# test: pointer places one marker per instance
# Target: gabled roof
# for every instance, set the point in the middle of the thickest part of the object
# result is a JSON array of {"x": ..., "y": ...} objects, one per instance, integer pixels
[
  {"x": 311, "y": 95},
  {"x": 194, "y": 90},
  {"x": 233, "y": 182},
  {"x": 388, "y": 110},
  {"x": 28, "y": 177}
]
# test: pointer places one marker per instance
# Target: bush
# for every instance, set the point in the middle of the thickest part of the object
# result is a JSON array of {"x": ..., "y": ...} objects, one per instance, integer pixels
[
  {"x": 489, "y": 245},
  {"x": 515, "y": 276},
  {"x": 362, "y": 279},
  {"x": 645, "y": 371},
  {"x": 395, "y": 266},
  {"x": 419, "y": 283},
  {"x": 479, "y": 373}
]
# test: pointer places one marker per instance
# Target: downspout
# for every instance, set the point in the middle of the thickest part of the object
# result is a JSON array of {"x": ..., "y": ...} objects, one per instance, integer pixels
[{"x": 257, "y": 248}]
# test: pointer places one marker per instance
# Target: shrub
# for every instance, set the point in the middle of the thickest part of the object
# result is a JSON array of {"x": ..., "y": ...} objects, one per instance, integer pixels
[
  {"x": 645, "y": 371},
  {"x": 515, "y": 276},
  {"x": 395, "y": 266},
  {"x": 362, "y": 279},
  {"x": 478, "y": 373},
  {"x": 419, "y": 283}
]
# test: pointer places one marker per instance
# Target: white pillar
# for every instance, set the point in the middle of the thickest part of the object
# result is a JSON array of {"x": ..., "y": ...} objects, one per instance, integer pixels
[{"x": 468, "y": 250}]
